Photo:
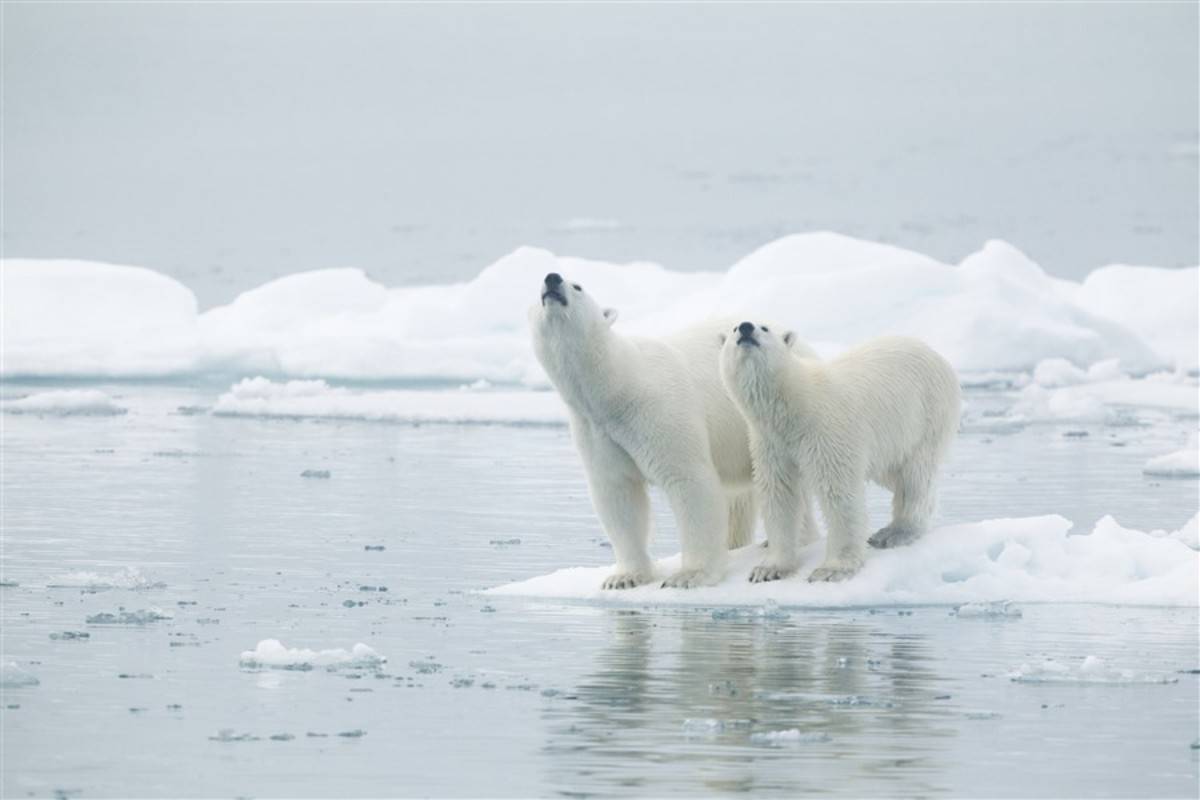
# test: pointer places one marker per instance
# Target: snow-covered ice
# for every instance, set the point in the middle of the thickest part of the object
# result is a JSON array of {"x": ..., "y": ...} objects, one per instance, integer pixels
[
  {"x": 274, "y": 654},
  {"x": 124, "y": 578},
  {"x": 996, "y": 310},
  {"x": 996, "y": 609},
  {"x": 1032, "y": 559},
  {"x": 64, "y": 403},
  {"x": 789, "y": 736}
]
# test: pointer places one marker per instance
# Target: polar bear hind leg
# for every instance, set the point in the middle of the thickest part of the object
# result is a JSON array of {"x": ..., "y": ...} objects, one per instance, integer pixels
[
  {"x": 702, "y": 513},
  {"x": 914, "y": 499}
]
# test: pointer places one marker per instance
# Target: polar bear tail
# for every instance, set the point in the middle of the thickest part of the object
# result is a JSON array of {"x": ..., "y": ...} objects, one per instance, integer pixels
[{"x": 743, "y": 513}]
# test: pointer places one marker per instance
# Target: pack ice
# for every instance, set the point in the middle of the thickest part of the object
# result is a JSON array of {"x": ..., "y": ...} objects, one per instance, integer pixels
[
  {"x": 1032, "y": 559},
  {"x": 996, "y": 310}
]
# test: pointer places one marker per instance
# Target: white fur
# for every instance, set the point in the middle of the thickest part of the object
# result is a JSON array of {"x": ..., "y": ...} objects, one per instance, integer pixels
[
  {"x": 651, "y": 411},
  {"x": 885, "y": 411}
]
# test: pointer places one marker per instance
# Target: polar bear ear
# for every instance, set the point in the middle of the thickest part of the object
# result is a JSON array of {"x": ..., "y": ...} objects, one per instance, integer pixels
[
  {"x": 789, "y": 338},
  {"x": 610, "y": 315},
  {"x": 723, "y": 338}
]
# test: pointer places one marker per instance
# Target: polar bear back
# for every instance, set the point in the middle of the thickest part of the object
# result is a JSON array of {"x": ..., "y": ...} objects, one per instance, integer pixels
[{"x": 898, "y": 392}]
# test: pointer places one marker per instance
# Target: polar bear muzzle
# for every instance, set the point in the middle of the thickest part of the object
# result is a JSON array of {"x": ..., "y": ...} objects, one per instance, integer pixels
[
  {"x": 552, "y": 289},
  {"x": 746, "y": 334}
]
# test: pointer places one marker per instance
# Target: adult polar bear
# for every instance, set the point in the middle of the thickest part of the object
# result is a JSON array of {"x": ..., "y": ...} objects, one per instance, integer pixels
[
  {"x": 649, "y": 411},
  {"x": 886, "y": 410}
]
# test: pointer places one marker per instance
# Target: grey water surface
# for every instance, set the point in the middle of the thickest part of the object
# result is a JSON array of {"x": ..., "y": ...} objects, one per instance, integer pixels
[{"x": 489, "y": 696}]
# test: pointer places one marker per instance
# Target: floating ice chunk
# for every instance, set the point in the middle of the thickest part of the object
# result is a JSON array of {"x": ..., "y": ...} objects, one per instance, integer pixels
[
  {"x": 1180, "y": 464},
  {"x": 13, "y": 676},
  {"x": 982, "y": 715},
  {"x": 1090, "y": 670},
  {"x": 320, "y": 474},
  {"x": 125, "y": 578},
  {"x": 1100, "y": 401},
  {"x": 123, "y": 617},
  {"x": 66, "y": 403},
  {"x": 790, "y": 736},
  {"x": 259, "y": 397},
  {"x": 713, "y": 727},
  {"x": 995, "y": 609},
  {"x": 1033, "y": 559},
  {"x": 271, "y": 653},
  {"x": 228, "y": 735}
]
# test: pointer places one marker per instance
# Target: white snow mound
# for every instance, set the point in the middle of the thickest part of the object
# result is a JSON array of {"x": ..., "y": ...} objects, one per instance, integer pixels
[
  {"x": 1031, "y": 559},
  {"x": 66, "y": 403},
  {"x": 995, "y": 311},
  {"x": 273, "y": 654}
]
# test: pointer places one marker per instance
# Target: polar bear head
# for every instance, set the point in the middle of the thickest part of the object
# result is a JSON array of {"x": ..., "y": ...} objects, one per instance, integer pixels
[
  {"x": 751, "y": 352},
  {"x": 566, "y": 314}
]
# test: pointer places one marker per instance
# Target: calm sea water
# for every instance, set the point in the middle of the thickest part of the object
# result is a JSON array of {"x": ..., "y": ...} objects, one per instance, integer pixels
[
  {"x": 492, "y": 697},
  {"x": 227, "y": 144}
]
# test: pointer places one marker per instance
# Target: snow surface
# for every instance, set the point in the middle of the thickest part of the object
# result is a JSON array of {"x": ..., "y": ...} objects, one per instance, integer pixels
[
  {"x": 1180, "y": 464},
  {"x": 1032, "y": 559},
  {"x": 997, "y": 310},
  {"x": 65, "y": 402},
  {"x": 272, "y": 653},
  {"x": 1061, "y": 392},
  {"x": 259, "y": 397}
]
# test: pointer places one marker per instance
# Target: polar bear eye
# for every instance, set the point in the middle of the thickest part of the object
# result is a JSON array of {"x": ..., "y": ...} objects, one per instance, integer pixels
[
  {"x": 765, "y": 329},
  {"x": 577, "y": 287}
]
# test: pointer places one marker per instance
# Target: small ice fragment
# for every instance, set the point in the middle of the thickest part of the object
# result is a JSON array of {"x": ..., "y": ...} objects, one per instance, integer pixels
[
  {"x": 505, "y": 542},
  {"x": 487, "y": 609},
  {"x": 123, "y": 617},
  {"x": 860, "y": 700},
  {"x": 713, "y": 727},
  {"x": 357, "y": 733},
  {"x": 771, "y": 610},
  {"x": 12, "y": 676},
  {"x": 282, "y": 737},
  {"x": 70, "y": 635},
  {"x": 996, "y": 609},
  {"x": 316, "y": 473},
  {"x": 791, "y": 736},
  {"x": 374, "y": 547},
  {"x": 426, "y": 667},
  {"x": 462, "y": 683},
  {"x": 725, "y": 688},
  {"x": 271, "y": 653},
  {"x": 982, "y": 715},
  {"x": 227, "y": 735},
  {"x": 729, "y": 613}
]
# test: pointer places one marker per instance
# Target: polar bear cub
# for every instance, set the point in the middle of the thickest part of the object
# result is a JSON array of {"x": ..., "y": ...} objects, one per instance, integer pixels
[
  {"x": 885, "y": 411},
  {"x": 649, "y": 411}
]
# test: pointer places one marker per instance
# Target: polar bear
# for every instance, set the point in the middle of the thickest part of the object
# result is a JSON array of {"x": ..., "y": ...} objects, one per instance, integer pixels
[
  {"x": 649, "y": 411},
  {"x": 886, "y": 411}
]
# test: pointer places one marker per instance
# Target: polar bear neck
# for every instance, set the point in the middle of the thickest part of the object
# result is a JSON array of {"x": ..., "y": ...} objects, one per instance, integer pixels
[
  {"x": 586, "y": 370},
  {"x": 776, "y": 397}
]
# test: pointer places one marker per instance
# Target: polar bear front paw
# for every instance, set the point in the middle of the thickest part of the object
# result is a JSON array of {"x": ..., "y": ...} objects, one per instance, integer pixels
[
  {"x": 770, "y": 572},
  {"x": 831, "y": 572},
  {"x": 624, "y": 580},
  {"x": 688, "y": 579}
]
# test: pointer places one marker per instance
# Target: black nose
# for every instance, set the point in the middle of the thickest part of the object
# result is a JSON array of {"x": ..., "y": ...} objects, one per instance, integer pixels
[
  {"x": 554, "y": 280},
  {"x": 746, "y": 328}
]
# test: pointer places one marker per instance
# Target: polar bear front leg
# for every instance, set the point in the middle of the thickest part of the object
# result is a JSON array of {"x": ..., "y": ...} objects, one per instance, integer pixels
[
  {"x": 702, "y": 513},
  {"x": 619, "y": 496},
  {"x": 846, "y": 513},
  {"x": 787, "y": 516}
]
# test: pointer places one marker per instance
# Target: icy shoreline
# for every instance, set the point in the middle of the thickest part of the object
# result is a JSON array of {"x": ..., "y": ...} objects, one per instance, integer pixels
[{"x": 995, "y": 311}]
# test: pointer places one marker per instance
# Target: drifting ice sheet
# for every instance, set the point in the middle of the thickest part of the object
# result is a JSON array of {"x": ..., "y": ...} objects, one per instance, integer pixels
[
  {"x": 1180, "y": 464},
  {"x": 1024, "y": 560},
  {"x": 66, "y": 402},
  {"x": 997, "y": 310},
  {"x": 259, "y": 397},
  {"x": 272, "y": 653}
]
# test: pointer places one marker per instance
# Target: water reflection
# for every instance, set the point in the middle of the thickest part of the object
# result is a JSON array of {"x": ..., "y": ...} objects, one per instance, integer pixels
[{"x": 673, "y": 702}]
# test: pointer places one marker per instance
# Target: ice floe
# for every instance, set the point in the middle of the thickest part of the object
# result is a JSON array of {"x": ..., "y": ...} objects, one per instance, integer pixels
[
  {"x": 1090, "y": 670},
  {"x": 1179, "y": 464},
  {"x": 124, "y": 578},
  {"x": 1031, "y": 559},
  {"x": 996, "y": 310},
  {"x": 123, "y": 617},
  {"x": 14, "y": 676},
  {"x": 271, "y": 653},
  {"x": 65, "y": 403},
  {"x": 260, "y": 397}
]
